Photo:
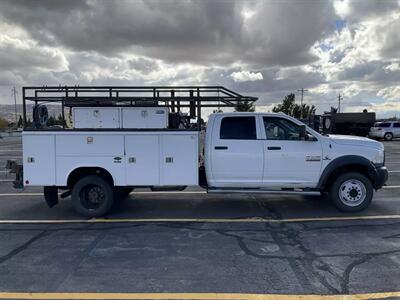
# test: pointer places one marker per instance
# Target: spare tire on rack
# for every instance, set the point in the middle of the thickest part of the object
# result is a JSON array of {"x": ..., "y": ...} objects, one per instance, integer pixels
[{"x": 40, "y": 115}]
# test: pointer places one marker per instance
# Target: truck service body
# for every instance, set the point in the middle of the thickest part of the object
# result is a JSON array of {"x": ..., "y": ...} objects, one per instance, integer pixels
[{"x": 242, "y": 152}]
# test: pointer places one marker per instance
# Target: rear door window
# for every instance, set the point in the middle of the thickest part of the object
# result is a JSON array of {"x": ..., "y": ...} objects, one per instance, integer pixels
[
  {"x": 238, "y": 128},
  {"x": 397, "y": 125}
]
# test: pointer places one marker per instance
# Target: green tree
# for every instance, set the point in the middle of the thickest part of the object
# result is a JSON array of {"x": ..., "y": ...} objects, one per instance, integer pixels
[
  {"x": 20, "y": 122},
  {"x": 244, "y": 106},
  {"x": 60, "y": 120},
  {"x": 289, "y": 107},
  {"x": 51, "y": 121}
]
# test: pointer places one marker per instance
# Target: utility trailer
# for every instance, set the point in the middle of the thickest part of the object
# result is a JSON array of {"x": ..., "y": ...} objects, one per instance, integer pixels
[
  {"x": 348, "y": 123},
  {"x": 120, "y": 138}
]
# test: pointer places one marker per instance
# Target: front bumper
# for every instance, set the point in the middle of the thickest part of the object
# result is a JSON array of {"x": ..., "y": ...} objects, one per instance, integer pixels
[{"x": 381, "y": 175}]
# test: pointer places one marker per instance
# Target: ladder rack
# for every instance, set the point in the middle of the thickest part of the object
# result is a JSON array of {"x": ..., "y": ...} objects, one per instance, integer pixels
[{"x": 174, "y": 97}]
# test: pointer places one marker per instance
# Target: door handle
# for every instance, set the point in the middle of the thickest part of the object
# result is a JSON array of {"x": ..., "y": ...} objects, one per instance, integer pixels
[
  {"x": 221, "y": 148},
  {"x": 274, "y": 148}
]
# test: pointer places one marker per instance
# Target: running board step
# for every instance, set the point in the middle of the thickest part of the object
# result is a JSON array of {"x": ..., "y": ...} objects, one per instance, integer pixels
[{"x": 261, "y": 191}]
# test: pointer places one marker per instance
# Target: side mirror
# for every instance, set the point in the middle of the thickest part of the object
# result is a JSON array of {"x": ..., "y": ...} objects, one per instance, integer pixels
[{"x": 303, "y": 136}]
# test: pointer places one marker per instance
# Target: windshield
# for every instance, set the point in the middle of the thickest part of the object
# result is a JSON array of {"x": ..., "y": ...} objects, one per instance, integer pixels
[{"x": 382, "y": 125}]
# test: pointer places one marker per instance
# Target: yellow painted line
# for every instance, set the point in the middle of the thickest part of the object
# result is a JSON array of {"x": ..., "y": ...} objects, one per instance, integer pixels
[
  {"x": 200, "y": 220},
  {"x": 194, "y": 296}
]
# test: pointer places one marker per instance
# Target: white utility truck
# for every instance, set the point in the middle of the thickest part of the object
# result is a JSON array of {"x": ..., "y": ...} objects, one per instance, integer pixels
[{"x": 113, "y": 148}]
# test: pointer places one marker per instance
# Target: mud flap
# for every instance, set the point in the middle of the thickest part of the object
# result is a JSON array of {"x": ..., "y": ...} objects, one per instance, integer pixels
[
  {"x": 18, "y": 170},
  {"x": 202, "y": 177},
  {"x": 50, "y": 195}
]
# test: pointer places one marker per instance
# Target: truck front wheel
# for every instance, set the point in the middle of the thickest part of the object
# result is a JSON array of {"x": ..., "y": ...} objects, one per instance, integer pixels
[
  {"x": 92, "y": 196},
  {"x": 351, "y": 192}
]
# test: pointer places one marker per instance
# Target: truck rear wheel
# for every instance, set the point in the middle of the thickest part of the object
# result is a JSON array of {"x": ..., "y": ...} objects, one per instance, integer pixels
[
  {"x": 351, "y": 192},
  {"x": 92, "y": 196}
]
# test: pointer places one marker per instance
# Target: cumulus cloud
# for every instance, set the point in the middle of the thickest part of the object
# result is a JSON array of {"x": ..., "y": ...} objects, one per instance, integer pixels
[
  {"x": 246, "y": 76},
  {"x": 265, "y": 48},
  {"x": 391, "y": 93},
  {"x": 364, "y": 9},
  {"x": 18, "y": 50},
  {"x": 217, "y": 32}
]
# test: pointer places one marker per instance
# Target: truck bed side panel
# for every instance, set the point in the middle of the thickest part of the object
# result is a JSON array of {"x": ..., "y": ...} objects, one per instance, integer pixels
[
  {"x": 142, "y": 159},
  {"x": 38, "y": 159},
  {"x": 179, "y": 159}
]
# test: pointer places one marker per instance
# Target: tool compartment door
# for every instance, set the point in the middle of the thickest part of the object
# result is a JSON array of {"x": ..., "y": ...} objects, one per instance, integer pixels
[
  {"x": 142, "y": 159},
  {"x": 179, "y": 159},
  {"x": 96, "y": 117},
  {"x": 90, "y": 149},
  {"x": 38, "y": 159},
  {"x": 144, "y": 117}
]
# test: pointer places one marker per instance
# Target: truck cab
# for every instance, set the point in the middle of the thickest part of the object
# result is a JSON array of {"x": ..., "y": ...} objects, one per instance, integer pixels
[{"x": 269, "y": 152}]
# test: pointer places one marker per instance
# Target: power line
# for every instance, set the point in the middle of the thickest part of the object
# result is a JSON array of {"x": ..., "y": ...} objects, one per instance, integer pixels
[
  {"x": 14, "y": 93},
  {"x": 302, "y": 90}
]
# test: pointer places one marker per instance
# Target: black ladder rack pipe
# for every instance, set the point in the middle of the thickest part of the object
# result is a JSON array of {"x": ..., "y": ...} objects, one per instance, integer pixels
[{"x": 175, "y": 97}]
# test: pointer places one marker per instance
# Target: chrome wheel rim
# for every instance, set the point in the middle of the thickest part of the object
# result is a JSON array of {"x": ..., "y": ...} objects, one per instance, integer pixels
[{"x": 352, "y": 192}]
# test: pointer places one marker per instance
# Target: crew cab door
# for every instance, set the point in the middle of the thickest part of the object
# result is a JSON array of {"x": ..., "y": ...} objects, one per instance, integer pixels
[
  {"x": 289, "y": 161},
  {"x": 236, "y": 153}
]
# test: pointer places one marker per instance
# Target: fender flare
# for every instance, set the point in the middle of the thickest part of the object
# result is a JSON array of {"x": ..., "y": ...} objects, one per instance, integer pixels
[
  {"x": 343, "y": 161},
  {"x": 85, "y": 167}
]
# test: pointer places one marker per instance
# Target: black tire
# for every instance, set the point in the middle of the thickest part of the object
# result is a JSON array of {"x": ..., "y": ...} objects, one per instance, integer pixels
[
  {"x": 351, "y": 192},
  {"x": 92, "y": 196},
  {"x": 388, "y": 136}
]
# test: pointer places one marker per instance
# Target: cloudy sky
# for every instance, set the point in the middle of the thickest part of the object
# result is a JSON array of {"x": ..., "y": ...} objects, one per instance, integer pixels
[{"x": 262, "y": 48}]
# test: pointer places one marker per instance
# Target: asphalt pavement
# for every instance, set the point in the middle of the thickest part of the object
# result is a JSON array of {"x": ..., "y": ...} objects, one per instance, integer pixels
[{"x": 194, "y": 243}]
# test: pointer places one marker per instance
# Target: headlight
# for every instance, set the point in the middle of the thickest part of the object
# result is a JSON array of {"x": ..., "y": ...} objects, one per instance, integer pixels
[{"x": 379, "y": 157}]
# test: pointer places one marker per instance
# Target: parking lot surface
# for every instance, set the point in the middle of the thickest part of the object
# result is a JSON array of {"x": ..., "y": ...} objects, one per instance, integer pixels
[{"x": 201, "y": 246}]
